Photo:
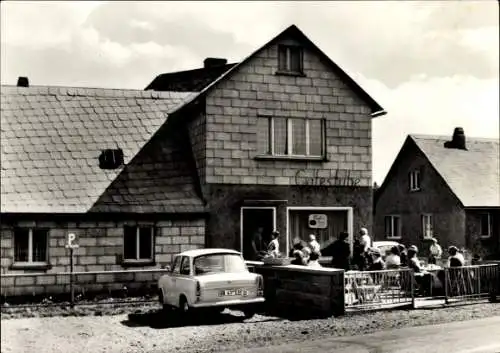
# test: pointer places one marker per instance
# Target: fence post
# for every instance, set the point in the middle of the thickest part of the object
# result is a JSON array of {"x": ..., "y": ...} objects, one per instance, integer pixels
[
  {"x": 412, "y": 288},
  {"x": 446, "y": 274}
]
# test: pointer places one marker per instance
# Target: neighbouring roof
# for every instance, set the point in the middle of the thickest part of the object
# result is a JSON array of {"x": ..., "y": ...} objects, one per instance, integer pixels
[
  {"x": 190, "y": 80},
  {"x": 473, "y": 175},
  {"x": 51, "y": 138}
]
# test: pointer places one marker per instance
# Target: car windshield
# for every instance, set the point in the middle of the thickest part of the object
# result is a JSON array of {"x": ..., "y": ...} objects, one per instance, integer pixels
[{"x": 219, "y": 263}]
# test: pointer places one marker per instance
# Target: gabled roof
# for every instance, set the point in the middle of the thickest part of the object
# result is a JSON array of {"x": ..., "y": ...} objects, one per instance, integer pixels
[
  {"x": 473, "y": 174},
  {"x": 294, "y": 31},
  {"x": 51, "y": 138},
  {"x": 190, "y": 80}
]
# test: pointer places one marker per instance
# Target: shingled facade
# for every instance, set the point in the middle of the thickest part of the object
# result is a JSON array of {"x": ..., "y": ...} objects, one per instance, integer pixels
[
  {"x": 281, "y": 140},
  {"x": 446, "y": 187}
]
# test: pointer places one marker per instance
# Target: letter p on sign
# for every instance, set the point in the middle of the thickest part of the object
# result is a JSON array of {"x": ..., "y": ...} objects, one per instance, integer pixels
[{"x": 71, "y": 241}]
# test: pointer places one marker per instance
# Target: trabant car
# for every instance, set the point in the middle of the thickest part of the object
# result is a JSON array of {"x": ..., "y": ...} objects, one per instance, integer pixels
[{"x": 212, "y": 279}]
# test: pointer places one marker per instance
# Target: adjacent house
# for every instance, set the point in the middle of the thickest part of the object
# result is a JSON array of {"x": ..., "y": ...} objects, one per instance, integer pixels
[
  {"x": 201, "y": 158},
  {"x": 446, "y": 187}
]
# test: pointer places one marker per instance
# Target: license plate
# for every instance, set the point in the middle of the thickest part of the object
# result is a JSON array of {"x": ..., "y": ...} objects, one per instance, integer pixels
[{"x": 232, "y": 292}]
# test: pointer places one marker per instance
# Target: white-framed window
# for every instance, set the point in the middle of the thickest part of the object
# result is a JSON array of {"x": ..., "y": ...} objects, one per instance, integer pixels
[
  {"x": 30, "y": 246},
  {"x": 485, "y": 225},
  {"x": 393, "y": 227},
  {"x": 297, "y": 137},
  {"x": 414, "y": 180},
  {"x": 427, "y": 226},
  {"x": 290, "y": 59},
  {"x": 138, "y": 243}
]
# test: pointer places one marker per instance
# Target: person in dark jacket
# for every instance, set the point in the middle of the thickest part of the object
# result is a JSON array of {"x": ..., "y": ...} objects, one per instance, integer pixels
[
  {"x": 403, "y": 255},
  {"x": 341, "y": 252}
]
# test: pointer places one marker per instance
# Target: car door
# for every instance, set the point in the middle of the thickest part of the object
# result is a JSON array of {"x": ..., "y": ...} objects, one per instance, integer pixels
[
  {"x": 185, "y": 280},
  {"x": 172, "y": 292}
]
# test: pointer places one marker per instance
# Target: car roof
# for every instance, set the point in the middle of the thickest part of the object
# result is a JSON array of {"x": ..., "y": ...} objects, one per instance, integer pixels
[
  {"x": 199, "y": 252},
  {"x": 384, "y": 243}
]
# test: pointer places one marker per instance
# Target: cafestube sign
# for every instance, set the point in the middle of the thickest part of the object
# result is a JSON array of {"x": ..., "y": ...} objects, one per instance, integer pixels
[{"x": 312, "y": 178}]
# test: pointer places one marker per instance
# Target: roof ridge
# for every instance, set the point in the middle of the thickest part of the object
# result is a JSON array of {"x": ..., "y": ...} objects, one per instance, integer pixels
[
  {"x": 448, "y": 137},
  {"x": 95, "y": 92}
]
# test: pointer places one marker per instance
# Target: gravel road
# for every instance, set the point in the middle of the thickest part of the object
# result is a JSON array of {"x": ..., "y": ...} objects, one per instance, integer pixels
[{"x": 146, "y": 331}]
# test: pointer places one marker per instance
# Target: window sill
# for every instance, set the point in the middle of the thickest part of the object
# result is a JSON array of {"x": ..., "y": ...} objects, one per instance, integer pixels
[
  {"x": 30, "y": 266},
  {"x": 415, "y": 190},
  {"x": 264, "y": 157},
  {"x": 138, "y": 263},
  {"x": 290, "y": 73},
  {"x": 393, "y": 238},
  {"x": 485, "y": 236}
]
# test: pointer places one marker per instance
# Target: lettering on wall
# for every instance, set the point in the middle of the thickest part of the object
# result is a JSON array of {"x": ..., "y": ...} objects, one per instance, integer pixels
[{"x": 341, "y": 178}]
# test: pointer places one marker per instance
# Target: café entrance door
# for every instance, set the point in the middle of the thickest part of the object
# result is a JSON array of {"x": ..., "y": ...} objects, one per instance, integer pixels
[{"x": 256, "y": 225}]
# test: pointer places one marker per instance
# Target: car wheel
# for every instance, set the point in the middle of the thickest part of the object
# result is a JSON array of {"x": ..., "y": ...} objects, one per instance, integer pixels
[{"x": 184, "y": 308}]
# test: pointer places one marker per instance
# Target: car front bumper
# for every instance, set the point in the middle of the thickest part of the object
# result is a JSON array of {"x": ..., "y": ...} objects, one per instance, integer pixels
[{"x": 228, "y": 303}]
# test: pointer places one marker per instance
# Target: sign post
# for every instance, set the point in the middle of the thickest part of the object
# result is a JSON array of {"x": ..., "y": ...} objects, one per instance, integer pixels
[{"x": 71, "y": 246}]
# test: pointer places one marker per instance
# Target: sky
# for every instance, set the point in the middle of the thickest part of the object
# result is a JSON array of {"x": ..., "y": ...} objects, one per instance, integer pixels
[{"x": 432, "y": 65}]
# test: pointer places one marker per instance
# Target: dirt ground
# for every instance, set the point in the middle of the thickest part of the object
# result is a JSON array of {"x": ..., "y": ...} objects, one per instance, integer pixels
[{"x": 148, "y": 330}]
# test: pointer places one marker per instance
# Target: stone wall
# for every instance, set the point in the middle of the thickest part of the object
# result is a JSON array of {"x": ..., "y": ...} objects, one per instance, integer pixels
[
  {"x": 298, "y": 290},
  {"x": 233, "y": 108},
  {"x": 101, "y": 243},
  {"x": 47, "y": 284}
]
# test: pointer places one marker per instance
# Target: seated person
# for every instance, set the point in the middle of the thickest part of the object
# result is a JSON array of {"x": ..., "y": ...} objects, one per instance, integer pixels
[
  {"x": 393, "y": 261},
  {"x": 377, "y": 264},
  {"x": 313, "y": 244},
  {"x": 456, "y": 259},
  {"x": 313, "y": 260},
  {"x": 299, "y": 258}
]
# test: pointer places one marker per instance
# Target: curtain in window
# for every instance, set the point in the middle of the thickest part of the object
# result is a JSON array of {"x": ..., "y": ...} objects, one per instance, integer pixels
[
  {"x": 388, "y": 227},
  {"x": 263, "y": 135},
  {"x": 282, "y": 58},
  {"x": 40, "y": 245},
  {"x": 315, "y": 137},
  {"x": 21, "y": 244},
  {"x": 280, "y": 136},
  {"x": 130, "y": 242},
  {"x": 299, "y": 137}
]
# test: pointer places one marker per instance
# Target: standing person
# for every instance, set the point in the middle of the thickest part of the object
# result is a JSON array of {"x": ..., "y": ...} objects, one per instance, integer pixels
[
  {"x": 257, "y": 242},
  {"x": 313, "y": 244},
  {"x": 358, "y": 256},
  {"x": 273, "y": 248},
  {"x": 365, "y": 240},
  {"x": 435, "y": 251},
  {"x": 341, "y": 252}
]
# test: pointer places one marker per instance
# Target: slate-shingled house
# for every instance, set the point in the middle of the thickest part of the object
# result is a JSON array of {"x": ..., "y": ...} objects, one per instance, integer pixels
[
  {"x": 447, "y": 187},
  {"x": 280, "y": 140}
]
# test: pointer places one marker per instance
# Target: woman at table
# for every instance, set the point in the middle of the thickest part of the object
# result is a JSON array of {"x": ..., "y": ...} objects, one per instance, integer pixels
[
  {"x": 377, "y": 264},
  {"x": 456, "y": 259},
  {"x": 393, "y": 261}
]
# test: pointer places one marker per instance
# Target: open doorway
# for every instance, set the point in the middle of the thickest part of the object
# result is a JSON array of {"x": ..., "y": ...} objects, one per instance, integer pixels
[{"x": 256, "y": 226}]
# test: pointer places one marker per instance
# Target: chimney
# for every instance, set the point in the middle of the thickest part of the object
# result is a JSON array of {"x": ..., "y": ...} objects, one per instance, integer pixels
[
  {"x": 23, "y": 82},
  {"x": 458, "y": 140},
  {"x": 214, "y": 62}
]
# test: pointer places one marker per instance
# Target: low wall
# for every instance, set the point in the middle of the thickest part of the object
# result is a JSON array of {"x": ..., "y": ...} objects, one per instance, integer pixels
[
  {"x": 302, "y": 290},
  {"x": 86, "y": 283}
]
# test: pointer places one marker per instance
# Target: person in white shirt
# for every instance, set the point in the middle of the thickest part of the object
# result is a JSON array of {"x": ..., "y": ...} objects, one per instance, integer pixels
[
  {"x": 393, "y": 260},
  {"x": 365, "y": 239},
  {"x": 313, "y": 244},
  {"x": 435, "y": 251},
  {"x": 273, "y": 248}
]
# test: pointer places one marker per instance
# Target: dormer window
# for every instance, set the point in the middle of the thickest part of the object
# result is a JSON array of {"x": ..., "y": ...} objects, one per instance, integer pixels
[
  {"x": 111, "y": 158},
  {"x": 414, "y": 180},
  {"x": 290, "y": 59}
]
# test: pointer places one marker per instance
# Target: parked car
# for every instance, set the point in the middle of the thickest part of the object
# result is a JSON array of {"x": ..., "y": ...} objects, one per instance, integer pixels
[
  {"x": 384, "y": 246},
  {"x": 212, "y": 279}
]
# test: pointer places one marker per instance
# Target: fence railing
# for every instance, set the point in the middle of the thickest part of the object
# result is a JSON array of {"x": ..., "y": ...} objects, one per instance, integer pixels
[
  {"x": 471, "y": 282},
  {"x": 377, "y": 289}
]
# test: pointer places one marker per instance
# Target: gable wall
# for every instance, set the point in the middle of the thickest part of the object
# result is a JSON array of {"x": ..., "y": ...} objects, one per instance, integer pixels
[
  {"x": 435, "y": 198},
  {"x": 234, "y": 105}
]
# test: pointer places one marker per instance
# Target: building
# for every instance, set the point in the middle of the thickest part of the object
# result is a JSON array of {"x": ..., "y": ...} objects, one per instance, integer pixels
[
  {"x": 447, "y": 187},
  {"x": 281, "y": 140}
]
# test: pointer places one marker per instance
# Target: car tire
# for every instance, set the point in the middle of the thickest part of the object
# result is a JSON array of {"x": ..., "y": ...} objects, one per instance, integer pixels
[{"x": 184, "y": 308}]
